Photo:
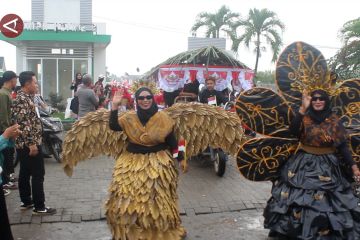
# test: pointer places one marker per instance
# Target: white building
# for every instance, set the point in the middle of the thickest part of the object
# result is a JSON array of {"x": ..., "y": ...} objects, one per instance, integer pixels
[
  {"x": 198, "y": 42},
  {"x": 60, "y": 41}
]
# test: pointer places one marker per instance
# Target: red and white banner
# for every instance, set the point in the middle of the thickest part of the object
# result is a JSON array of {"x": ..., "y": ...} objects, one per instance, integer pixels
[
  {"x": 171, "y": 79},
  {"x": 174, "y": 77},
  {"x": 243, "y": 81}
]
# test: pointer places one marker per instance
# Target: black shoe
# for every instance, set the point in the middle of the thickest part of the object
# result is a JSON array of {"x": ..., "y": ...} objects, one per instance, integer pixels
[
  {"x": 24, "y": 207},
  {"x": 44, "y": 211}
]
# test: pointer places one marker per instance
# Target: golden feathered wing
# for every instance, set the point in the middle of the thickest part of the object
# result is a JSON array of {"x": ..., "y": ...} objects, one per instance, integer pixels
[
  {"x": 203, "y": 125},
  {"x": 90, "y": 137}
]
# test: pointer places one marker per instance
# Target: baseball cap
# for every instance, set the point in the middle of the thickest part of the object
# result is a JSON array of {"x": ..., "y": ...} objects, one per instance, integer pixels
[
  {"x": 101, "y": 76},
  {"x": 8, "y": 75}
]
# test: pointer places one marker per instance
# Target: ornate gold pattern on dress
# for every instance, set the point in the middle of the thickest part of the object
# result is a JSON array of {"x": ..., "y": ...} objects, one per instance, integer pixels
[
  {"x": 284, "y": 194},
  {"x": 324, "y": 232},
  {"x": 260, "y": 158},
  {"x": 143, "y": 203},
  {"x": 290, "y": 174},
  {"x": 264, "y": 111},
  {"x": 324, "y": 179},
  {"x": 347, "y": 103}
]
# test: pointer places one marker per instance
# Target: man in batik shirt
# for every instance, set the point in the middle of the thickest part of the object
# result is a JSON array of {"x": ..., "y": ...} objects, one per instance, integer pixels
[{"x": 28, "y": 147}]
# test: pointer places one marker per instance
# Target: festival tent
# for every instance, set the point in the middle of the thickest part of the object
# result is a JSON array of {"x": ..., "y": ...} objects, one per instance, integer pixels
[{"x": 173, "y": 73}]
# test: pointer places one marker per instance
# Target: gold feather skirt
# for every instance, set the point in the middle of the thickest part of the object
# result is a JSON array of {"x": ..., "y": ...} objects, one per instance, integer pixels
[{"x": 143, "y": 203}]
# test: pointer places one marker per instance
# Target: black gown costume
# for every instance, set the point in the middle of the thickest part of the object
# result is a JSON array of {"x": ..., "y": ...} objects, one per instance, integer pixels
[{"x": 312, "y": 199}]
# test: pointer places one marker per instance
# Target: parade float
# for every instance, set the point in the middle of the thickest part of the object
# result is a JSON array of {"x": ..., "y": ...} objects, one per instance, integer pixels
[{"x": 187, "y": 66}]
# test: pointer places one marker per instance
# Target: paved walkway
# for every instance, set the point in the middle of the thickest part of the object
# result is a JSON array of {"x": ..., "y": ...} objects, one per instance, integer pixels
[
  {"x": 243, "y": 225},
  {"x": 82, "y": 197}
]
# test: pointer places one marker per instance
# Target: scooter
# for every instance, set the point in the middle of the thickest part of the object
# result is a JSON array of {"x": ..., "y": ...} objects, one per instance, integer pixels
[{"x": 52, "y": 139}]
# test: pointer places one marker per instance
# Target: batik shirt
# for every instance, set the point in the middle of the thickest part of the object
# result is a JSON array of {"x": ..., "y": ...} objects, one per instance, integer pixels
[{"x": 27, "y": 116}]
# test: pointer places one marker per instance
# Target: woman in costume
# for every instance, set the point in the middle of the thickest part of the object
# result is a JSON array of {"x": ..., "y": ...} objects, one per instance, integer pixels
[
  {"x": 143, "y": 203},
  {"x": 155, "y": 206},
  {"x": 304, "y": 148},
  {"x": 312, "y": 199}
]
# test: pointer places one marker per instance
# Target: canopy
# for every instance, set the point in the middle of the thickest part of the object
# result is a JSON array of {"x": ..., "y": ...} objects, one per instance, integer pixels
[{"x": 173, "y": 73}]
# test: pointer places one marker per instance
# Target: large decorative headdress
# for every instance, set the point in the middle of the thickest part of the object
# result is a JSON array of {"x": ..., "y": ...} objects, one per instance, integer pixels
[
  {"x": 144, "y": 83},
  {"x": 300, "y": 67}
]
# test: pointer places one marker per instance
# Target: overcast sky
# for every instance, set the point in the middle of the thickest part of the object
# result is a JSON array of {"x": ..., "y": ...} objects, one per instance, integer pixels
[{"x": 145, "y": 33}]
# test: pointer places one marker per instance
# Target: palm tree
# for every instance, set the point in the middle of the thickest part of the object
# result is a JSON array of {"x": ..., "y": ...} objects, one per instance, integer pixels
[
  {"x": 346, "y": 63},
  {"x": 214, "y": 22},
  {"x": 260, "y": 25},
  {"x": 351, "y": 31}
]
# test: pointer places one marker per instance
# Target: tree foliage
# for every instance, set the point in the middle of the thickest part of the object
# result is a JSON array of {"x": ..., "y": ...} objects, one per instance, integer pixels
[
  {"x": 215, "y": 22},
  {"x": 260, "y": 27},
  {"x": 346, "y": 63}
]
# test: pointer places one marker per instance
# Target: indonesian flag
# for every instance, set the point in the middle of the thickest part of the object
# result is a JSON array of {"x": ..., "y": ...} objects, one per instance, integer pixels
[
  {"x": 212, "y": 100},
  {"x": 181, "y": 148}
]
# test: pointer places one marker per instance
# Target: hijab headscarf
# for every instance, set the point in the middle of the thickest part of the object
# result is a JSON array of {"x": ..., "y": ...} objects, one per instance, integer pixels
[
  {"x": 145, "y": 115},
  {"x": 319, "y": 116}
]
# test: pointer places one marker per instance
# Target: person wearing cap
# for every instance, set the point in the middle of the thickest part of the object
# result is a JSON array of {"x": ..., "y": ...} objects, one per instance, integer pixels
[{"x": 9, "y": 81}]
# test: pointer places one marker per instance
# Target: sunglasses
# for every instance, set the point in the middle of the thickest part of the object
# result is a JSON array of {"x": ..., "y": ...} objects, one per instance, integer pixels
[
  {"x": 148, "y": 97},
  {"x": 314, "y": 99}
]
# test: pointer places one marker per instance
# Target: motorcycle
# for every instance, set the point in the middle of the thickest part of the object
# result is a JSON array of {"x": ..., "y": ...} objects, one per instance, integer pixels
[{"x": 52, "y": 139}]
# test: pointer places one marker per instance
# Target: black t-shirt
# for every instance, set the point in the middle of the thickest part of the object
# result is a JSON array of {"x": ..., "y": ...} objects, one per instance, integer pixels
[
  {"x": 205, "y": 94},
  {"x": 169, "y": 97}
]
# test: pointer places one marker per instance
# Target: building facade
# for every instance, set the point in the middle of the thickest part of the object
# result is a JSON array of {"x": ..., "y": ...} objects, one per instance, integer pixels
[
  {"x": 60, "y": 41},
  {"x": 198, "y": 42}
]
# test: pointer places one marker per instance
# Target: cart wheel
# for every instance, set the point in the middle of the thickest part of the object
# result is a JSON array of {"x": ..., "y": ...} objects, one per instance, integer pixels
[{"x": 220, "y": 163}]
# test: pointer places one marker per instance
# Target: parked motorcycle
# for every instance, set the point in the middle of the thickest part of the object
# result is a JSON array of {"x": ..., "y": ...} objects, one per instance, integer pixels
[{"x": 52, "y": 139}]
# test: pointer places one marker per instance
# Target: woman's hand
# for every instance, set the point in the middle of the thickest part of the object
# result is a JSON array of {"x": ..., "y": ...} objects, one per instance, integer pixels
[
  {"x": 118, "y": 96},
  {"x": 12, "y": 132},
  {"x": 356, "y": 173},
  {"x": 306, "y": 100}
]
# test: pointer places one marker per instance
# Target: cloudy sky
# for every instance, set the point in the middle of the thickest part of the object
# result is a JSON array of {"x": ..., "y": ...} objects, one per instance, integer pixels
[{"x": 145, "y": 33}]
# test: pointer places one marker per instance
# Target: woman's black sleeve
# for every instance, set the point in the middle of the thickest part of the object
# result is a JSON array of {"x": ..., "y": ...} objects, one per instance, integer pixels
[
  {"x": 172, "y": 142},
  {"x": 346, "y": 154},
  {"x": 113, "y": 122},
  {"x": 295, "y": 125}
]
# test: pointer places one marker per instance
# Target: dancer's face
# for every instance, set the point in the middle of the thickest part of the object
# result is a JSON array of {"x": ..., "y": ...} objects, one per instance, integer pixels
[
  {"x": 318, "y": 102},
  {"x": 145, "y": 100}
]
